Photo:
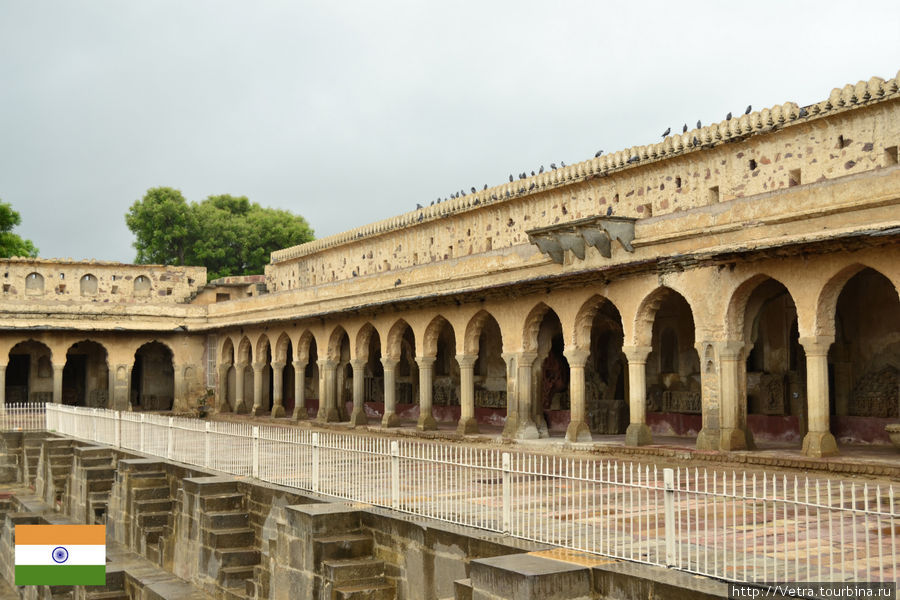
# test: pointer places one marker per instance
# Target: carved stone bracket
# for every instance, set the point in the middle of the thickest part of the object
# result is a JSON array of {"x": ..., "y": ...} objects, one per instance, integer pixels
[{"x": 598, "y": 232}]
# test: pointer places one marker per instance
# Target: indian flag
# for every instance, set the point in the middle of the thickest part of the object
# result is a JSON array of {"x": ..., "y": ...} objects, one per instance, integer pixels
[{"x": 60, "y": 554}]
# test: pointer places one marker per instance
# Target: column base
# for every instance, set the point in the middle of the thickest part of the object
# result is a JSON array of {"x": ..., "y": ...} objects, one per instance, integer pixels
[
  {"x": 638, "y": 434},
  {"x": 426, "y": 423},
  {"x": 509, "y": 427},
  {"x": 240, "y": 409},
  {"x": 278, "y": 412},
  {"x": 528, "y": 431},
  {"x": 819, "y": 443},
  {"x": 258, "y": 411},
  {"x": 328, "y": 416},
  {"x": 358, "y": 418},
  {"x": 299, "y": 413},
  {"x": 709, "y": 439},
  {"x": 732, "y": 439},
  {"x": 578, "y": 431},
  {"x": 222, "y": 407},
  {"x": 541, "y": 424},
  {"x": 390, "y": 419},
  {"x": 467, "y": 425}
]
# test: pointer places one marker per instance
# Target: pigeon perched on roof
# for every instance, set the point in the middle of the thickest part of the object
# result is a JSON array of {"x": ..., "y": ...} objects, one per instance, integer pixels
[
  {"x": 749, "y": 108},
  {"x": 562, "y": 164},
  {"x": 553, "y": 166},
  {"x": 803, "y": 112},
  {"x": 485, "y": 186},
  {"x": 532, "y": 173},
  {"x": 474, "y": 190},
  {"x": 728, "y": 117},
  {"x": 599, "y": 152},
  {"x": 421, "y": 216},
  {"x": 396, "y": 283},
  {"x": 699, "y": 124},
  {"x": 609, "y": 211},
  {"x": 684, "y": 129},
  {"x": 418, "y": 206},
  {"x": 634, "y": 159},
  {"x": 510, "y": 178},
  {"x": 695, "y": 141},
  {"x": 541, "y": 169},
  {"x": 667, "y": 132}
]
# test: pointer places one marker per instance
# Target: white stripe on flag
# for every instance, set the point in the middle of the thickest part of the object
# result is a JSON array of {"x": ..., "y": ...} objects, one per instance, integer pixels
[{"x": 43, "y": 555}]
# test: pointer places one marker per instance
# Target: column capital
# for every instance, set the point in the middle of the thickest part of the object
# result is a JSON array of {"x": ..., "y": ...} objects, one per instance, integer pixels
[
  {"x": 817, "y": 345},
  {"x": 241, "y": 364},
  {"x": 727, "y": 349},
  {"x": 298, "y": 365},
  {"x": 466, "y": 361},
  {"x": 358, "y": 363},
  {"x": 425, "y": 362},
  {"x": 577, "y": 357},
  {"x": 523, "y": 359},
  {"x": 389, "y": 363},
  {"x": 258, "y": 366},
  {"x": 327, "y": 363},
  {"x": 277, "y": 364},
  {"x": 637, "y": 354}
]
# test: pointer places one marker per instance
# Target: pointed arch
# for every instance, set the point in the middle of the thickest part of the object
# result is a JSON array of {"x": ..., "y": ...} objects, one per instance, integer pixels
[
  {"x": 335, "y": 341},
  {"x": 474, "y": 328},
  {"x": 647, "y": 309},
  {"x": 584, "y": 319},
  {"x": 432, "y": 333},
  {"x": 532, "y": 326},
  {"x": 307, "y": 338},
  {"x": 263, "y": 347},
  {"x": 283, "y": 349},
  {"x": 245, "y": 351},
  {"x": 153, "y": 377},
  {"x": 827, "y": 299},
  {"x": 363, "y": 339},
  {"x": 227, "y": 355},
  {"x": 395, "y": 338}
]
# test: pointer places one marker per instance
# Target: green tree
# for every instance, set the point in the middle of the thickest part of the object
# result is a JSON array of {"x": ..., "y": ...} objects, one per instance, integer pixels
[
  {"x": 229, "y": 235},
  {"x": 12, "y": 244}
]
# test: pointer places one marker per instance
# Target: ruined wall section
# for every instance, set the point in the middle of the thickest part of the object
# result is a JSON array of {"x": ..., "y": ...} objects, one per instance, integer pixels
[
  {"x": 36, "y": 280},
  {"x": 856, "y": 130}
]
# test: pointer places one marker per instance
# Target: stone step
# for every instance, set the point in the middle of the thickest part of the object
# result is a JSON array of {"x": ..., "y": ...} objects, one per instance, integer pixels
[
  {"x": 97, "y": 460},
  {"x": 102, "y": 472},
  {"x": 111, "y": 595},
  {"x": 225, "y": 520},
  {"x": 348, "y": 570},
  {"x": 230, "y": 538},
  {"x": 211, "y": 486},
  {"x": 152, "y": 505},
  {"x": 348, "y": 545},
  {"x": 153, "y": 519},
  {"x": 462, "y": 589},
  {"x": 149, "y": 493},
  {"x": 222, "y": 502},
  {"x": 99, "y": 485},
  {"x": 148, "y": 478},
  {"x": 231, "y": 594},
  {"x": 151, "y": 552},
  {"x": 235, "y": 575},
  {"x": 366, "y": 591},
  {"x": 231, "y": 557},
  {"x": 152, "y": 534}
]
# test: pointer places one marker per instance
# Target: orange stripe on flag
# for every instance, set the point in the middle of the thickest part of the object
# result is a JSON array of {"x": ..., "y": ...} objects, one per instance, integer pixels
[{"x": 62, "y": 535}]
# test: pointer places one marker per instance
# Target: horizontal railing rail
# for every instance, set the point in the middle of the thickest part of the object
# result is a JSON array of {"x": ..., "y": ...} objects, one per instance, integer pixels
[{"x": 744, "y": 527}]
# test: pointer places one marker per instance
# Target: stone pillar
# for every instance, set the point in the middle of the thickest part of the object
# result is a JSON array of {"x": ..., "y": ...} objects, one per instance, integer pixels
[
  {"x": 527, "y": 429},
  {"x": 3, "y": 385},
  {"x": 843, "y": 380},
  {"x": 299, "y": 389},
  {"x": 426, "y": 420},
  {"x": 818, "y": 441},
  {"x": 467, "y": 423},
  {"x": 179, "y": 396},
  {"x": 258, "y": 388},
  {"x": 710, "y": 394},
  {"x": 222, "y": 404},
  {"x": 578, "y": 430},
  {"x": 57, "y": 382},
  {"x": 328, "y": 412},
  {"x": 734, "y": 433},
  {"x": 512, "y": 405},
  {"x": 277, "y": 389},
  {"x": 536, "y": 401},
  {"x": 638, "y": 434},
  {"x": 390, "y": 418},
  {"x": 239, "y": 370},
  {"x": 120, "y": 387},
  {"x": 358, "y": 416}
]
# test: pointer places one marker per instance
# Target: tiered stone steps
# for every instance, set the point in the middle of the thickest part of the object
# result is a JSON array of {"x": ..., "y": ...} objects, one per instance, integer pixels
[
  {"x": 113, "y": 590},
  {"x": 349, "y": 568},
  {"x": 58, "y": 455},
  {"x": 151, "y": 510},
  {"x": 32, "y": 451}
]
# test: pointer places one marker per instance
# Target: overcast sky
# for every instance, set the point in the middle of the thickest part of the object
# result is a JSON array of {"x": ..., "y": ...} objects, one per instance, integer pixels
[{"x": 349, "y": 112}]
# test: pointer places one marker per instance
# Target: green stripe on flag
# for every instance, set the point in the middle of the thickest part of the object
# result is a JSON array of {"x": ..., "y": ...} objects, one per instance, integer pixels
[{"x": 60, "y": 574}]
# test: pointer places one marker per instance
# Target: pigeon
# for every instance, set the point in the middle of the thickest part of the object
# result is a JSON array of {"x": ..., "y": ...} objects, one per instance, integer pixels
[
  {"x": 510, "y": 178},
  {"x": 749, "y": 108},
  {"x": 477, "y": 201},
  {"x": 461, "y": 193},
  {"x": 803, "y": 112},
  {"x": 493, "y": 196},
  {"x": 562, "y": 164},
  {"x": 634, "y": 159},
  {"x": 432, "y": 202},
  {"x": 599, "y": 152},
  {"x": 523, "y": 175},
  {"x": 418, "y": 206},
  {"x": 553, "y": 166},
  {"x": 533, "y": 185},
  {"x": 684, "y": 129},
  {"x": 474, "y": 190},
  {"x": 507, "y": 193},
  {"x": 667, "y": 132},
  {"x": 695, "y": 141},
  {"x": 396, "y": 283},
  {"x": 421, "y": 216},
  {"x": 532, "y": 173},
  {"x": 728, "y": 117},
  {"x": 699, "y": 124},
  {"x": 609, "y": 211},
  {"x": 542, "y": 169},
  {"x": 485, "y": 186},
  {"x": 354, "y": 273}
]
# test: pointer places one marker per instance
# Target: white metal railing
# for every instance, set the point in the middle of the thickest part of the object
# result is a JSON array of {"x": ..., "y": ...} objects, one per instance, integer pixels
[
  {"x": 22, "y": 417},
  {"x": 737, "y": 527}
]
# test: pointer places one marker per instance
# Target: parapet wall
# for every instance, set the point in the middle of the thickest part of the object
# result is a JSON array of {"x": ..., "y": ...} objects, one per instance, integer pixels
[
  {"x": 856, "y": 129},
  {"x": 53, "y": 280}
]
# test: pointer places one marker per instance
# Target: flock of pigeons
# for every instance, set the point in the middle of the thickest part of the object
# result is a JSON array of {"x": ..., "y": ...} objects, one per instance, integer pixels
[{"x": 524, "y": 175}]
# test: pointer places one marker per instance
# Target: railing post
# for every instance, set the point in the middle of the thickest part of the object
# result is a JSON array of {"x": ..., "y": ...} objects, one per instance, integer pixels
[
  {"x": 141, "y": 434},
  {"x": 255, "y": 468},
  {"x": 507, "y": 493},
  {"x": 118, "y": 425},
  {"x": 315, "y": 462},
  {"x": 395, "y": 475},
  {"x": 669, "y": 503},
  {"x": 206, "y": 446},
  {"x": 170, "y": 445}
]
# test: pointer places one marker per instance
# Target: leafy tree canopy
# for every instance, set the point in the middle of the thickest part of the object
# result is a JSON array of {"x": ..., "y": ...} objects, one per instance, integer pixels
[
  {"x": 10, "y": 243},
  {"x": 229, "y": 235}
]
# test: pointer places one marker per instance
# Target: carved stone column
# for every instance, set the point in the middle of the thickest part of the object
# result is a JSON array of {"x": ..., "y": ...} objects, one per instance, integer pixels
[
  {"x": 426, "y": 420},
  {"x": 818, "y": 441},
  {"x": 734, "y": 434},
  {"x": 708, "y": 438},
  {"x": 239, "y": 370},
  {"x": 299, "y": 390},
  {"x": 57, "y": 382},
  {"x": 637, "y": 434},
  {"x": 358, "y": 416},
  {"x": 258, "y": 388},
  {"x": 467, "y": 422},
  {"x": 328, "y": 411},
  {"x": 277, "y": 389},
  {"x": 390, "y": 418},
  {"x": 527, "y": 428},
  {"x": 3, "y": 385},
  {"x": 512, "y": 405},
  {"x": 578, "y": 430}
]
